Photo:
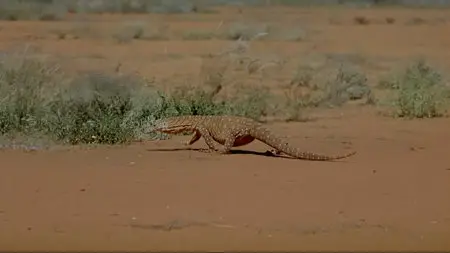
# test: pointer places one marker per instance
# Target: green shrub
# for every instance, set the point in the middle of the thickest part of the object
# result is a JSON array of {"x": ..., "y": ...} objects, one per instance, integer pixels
[
  {"x": 420, "y": 92},
  {"x": 25, "y": 92},
  {"x": 92, "y": 110}
]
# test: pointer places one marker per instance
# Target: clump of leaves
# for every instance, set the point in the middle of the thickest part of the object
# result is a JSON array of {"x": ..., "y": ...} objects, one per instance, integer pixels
[{"x": 420, "y": 92}]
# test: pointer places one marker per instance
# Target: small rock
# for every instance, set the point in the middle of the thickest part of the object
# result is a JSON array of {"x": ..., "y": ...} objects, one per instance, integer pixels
[{"x": 416, "y": 148}]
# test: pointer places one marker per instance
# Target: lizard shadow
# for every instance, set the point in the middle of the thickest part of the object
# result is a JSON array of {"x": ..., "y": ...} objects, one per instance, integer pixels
[
  {"x": 235, "y": 152},
  {"x": 232, "y": 152}
]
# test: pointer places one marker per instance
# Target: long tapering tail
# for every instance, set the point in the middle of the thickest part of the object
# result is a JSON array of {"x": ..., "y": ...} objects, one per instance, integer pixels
[{"x": 266, "y": 136}]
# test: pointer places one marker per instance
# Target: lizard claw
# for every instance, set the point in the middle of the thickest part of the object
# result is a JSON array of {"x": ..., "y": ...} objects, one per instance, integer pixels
[
  {"x": 223, "y": 151},
  {"x": 214, "y": 151},
  {"x": 205, "y": 150}
]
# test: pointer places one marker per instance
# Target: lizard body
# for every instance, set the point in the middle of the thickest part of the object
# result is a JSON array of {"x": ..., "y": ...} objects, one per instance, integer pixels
[{"x": 233, "y": 131}]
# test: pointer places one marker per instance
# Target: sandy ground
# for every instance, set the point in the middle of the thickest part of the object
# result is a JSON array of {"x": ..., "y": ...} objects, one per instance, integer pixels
[{"x": 392, "y": 195}]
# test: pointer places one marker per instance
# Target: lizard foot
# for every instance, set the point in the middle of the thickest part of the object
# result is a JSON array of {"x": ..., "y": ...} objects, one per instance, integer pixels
[
  {"x": 185, "y": 143},
  {"x": 223, "y": 151},
  {"x": 206, "y": 150},
  {"x": 273, "y": 152}
]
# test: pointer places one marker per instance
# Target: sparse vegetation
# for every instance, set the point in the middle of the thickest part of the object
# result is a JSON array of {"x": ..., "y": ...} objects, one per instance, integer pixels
[
  {"x": 245, "y": 31},
  {"x": 198, "y": 35},
  {"x": 300, "y": 93},
  {"x": 306, "y": 92},
  {"x": 129, "y": 32},
  {"x": 54, "y": 10},
  {"x": 39, "y": 99},
  {"x": 31, "y": 10},
  {"x": 347, "y": 85},
  {"x": 140, "y": 31},
  {"x": 419, "y": 92}
]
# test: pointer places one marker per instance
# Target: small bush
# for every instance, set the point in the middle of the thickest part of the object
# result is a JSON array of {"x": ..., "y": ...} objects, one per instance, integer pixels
[
  {"x": 25, "y": 88},
  {"x": 245, "y": 31},
  {"x": 347, "y": 85},
  {"x": 361, "y": 20},
  {"x": 300, "y": 94},
  {"x": 92, "y": 110},
  {"x": 420, "y": 92},
  {"x": 129, "y": 32},
  {"x": 250, "y": 102},
  {"x": 305, "y": 90}
]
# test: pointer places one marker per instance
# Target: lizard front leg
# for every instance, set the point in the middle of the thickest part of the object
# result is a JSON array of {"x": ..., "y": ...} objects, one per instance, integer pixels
[
  {"x": 208, "y": 139},
  {"x": 225, "y": 149},
  {"x": 195, "y": 137}
]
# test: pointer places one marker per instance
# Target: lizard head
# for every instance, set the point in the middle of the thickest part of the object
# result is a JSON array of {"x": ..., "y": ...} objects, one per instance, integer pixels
[{"x": 171, "y": 125}]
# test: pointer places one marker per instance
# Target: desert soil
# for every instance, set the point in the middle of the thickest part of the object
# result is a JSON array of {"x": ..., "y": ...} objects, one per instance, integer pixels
[{"x": 158, "y": 195}]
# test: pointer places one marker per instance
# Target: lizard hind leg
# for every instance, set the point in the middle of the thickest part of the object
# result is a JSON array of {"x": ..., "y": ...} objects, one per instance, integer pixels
[
  {"x": 275, "y": 152},
  {"x": 228, "y": 144}
]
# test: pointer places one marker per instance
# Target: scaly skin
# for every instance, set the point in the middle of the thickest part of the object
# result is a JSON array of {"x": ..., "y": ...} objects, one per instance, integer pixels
[{"x": 233, "y": 131}]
